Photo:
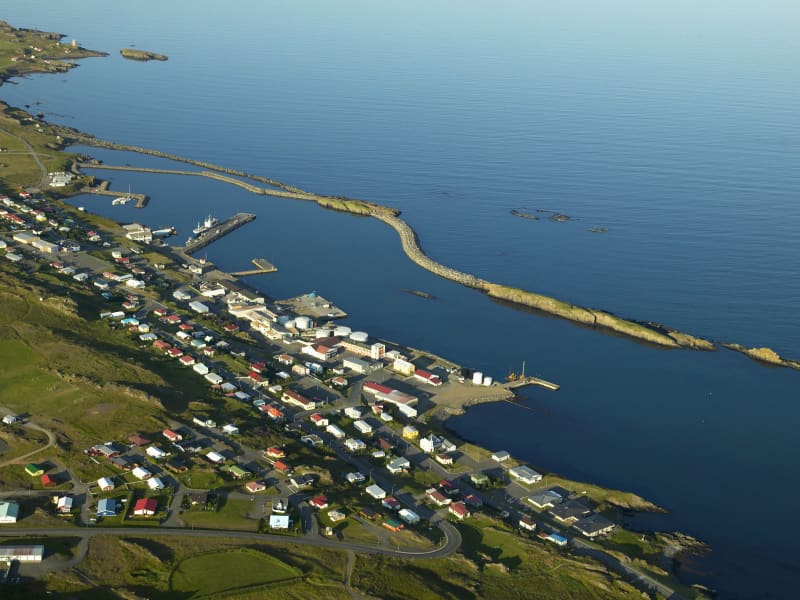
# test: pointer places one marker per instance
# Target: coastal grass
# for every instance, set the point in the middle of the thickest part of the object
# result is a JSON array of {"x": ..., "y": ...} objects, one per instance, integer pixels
[
  {"x": 210, "y": 574},
  {"x": 602, "y": 496}
]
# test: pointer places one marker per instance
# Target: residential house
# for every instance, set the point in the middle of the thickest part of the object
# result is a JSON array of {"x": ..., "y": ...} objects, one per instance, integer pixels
[
  {"x": 156, "y": 452},
  {"x": 409, "y": 516},
  {"x": 171, "y": 435},
  {"x": 279, "y": 522},
  {"x": 546, "y": 499},
  {"x": 335, "y": 431},
  {"x": 500, "y": 456},
  {"x": 141, "y": 473},
  {"x": 145, "y": 507},
  {"x": 255, "y": 486},
  {"x": 106, "y": 484},
  {"x": 391, "y": 503},
  {"x": 9, "y": 512},
  {"x": 527, "y": 523},
  {"x": 352, "y": 412},
  {"x": 354, "y": 444},
  {"x": 363, "y": 427},
  {"x": 437, "y": 497},
  {"x": 64, "y": 505},
  {"x": 318, "y": 420},
  {"x": 106, "y": 507},
  {"x": 570, "y": 511},
  {"x": 215, "y": 457},
  {"x": 459, "y": 510},
  {"x": 398, "y": 465},
  {"x": 320, "y": 502},
  {"x": 376, "y": 492},
  {"x": 594, "y": 525},
  {"x": 355, "y": 477},
  {"x": 525, "y": 474}
]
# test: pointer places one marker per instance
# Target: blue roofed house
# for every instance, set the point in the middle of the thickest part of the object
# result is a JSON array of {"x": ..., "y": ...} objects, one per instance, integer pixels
[
  {"x": 107, "y": 507},
  {"x": 9, "y": 512}
]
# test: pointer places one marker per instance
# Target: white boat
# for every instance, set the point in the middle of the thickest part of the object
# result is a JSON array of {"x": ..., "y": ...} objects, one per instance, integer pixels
[
  {"x": 205, "y": 225},
  {"x": 122, "y": 199}
]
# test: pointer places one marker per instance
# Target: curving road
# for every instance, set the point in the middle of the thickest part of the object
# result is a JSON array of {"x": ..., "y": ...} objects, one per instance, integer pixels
[{"x": 452, "y": 538}]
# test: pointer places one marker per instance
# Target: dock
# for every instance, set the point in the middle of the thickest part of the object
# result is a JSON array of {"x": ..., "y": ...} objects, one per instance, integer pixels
[
  {"x": 218, "y": 231},
  {"x": 263, "y": 266},
  {"x": 313, "y": 305},
  {"x": 523, "y": 381},
  {"x": 141, "y": 199}
]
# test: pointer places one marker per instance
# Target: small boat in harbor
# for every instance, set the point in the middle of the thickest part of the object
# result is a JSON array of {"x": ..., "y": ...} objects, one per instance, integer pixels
[
  {"x": 165, "y": 232},
  {"x": 123, "y": 199}
]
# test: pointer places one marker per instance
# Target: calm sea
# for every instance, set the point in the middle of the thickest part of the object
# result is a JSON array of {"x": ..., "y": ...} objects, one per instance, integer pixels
[{"x": 672, "y": 124}]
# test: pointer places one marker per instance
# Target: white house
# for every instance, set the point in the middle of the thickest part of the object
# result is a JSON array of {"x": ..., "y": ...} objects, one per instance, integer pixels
[
  {"x": 355, "y": 444},
  {"x": 64, "y": 504},
  {"x": 198, "y": 307},
  {"x": 105, "y": 484},
  {"x": 156, "y": 452},
  {"x": 525, "y": 474},
  {"x": 352, "y": 412},
  {"x": 409, "y": 516},
  {"x": 215, "y": 457},
  {"x": 279, "y": 522},
  {"x": 154, "y": 483},
  {"x": 355, "y": 477},
  {"x": 363, "y": 427},
  {"x": 398, "y": 465},
  {"x": 230, "y": 429},
  {"x": 500, "y": 456},
  {"x": 335, "y": 431},
  {"x": 141, "y": 473},
  {"x": 376, "y": 492}
]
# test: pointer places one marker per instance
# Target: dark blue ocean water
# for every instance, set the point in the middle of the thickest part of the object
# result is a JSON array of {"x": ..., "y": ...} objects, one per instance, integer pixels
[{"x": 673, "y": 125}]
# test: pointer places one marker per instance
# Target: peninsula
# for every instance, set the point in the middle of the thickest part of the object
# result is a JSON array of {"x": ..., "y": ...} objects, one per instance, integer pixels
[{"x": 141, "y": 55}]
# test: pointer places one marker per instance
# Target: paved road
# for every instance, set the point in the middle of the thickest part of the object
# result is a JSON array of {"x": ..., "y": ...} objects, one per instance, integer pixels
[
  {"x": 452, "y": 538},
  {"x": 51, "y": 441},
  {"x": 641, "y": 579}
]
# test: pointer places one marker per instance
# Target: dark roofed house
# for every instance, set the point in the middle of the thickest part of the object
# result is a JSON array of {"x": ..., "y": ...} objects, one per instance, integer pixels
[
  {"x": 570, "y": 511},
  {"x": 594, "y": 525},
  {"x": 198, "y": 498}
]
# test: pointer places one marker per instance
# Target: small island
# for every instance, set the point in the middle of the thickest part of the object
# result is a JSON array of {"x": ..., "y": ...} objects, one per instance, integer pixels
[{"x": 143, "y": 55}]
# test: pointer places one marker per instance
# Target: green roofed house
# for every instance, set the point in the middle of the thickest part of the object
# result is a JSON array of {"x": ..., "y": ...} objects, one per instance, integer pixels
[
  {"x": 238, "y": 472},
  {"x": 9, "y": 512},
  {"x": 34, "y": 470},
  {"x": 479, "y": 479}
]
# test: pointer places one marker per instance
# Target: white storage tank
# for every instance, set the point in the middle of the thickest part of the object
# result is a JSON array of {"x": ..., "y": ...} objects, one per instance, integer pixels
[
  {"x": 477, "y": 378},
  {"x": 359, "y": 336},
  {"x": 290, "y": 324},
  {"x": 487, "y": 380},
  {"x": 302, "y": 323},
  {"x": 342, "y": 331}
]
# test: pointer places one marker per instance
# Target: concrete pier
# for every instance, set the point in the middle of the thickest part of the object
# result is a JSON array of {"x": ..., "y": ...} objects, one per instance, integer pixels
[{"x": 217, "y": 232}]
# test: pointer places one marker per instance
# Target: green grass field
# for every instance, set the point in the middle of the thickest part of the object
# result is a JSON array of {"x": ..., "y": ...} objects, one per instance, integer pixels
[
  {"x": 233, "y": 514},
  {"x": 210, "y": 574}
]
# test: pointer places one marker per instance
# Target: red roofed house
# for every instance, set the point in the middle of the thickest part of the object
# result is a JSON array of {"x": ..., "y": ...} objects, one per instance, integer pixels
[
  {"x": 319, "y": 502},
  {"x": 437, "y": 497},
  {"x": 391, "y": 503},
  {"x": 160, "y": 312},
  {"x": 275, "y": 452},
  {"x": 257, "y": 366},
  {"x": 174, "y": 352},
  {"x": 319, "y": 420},
  {"x": 459, "y": 509},
  {"x": 162, "y": 345},
  {"x": 138, "y": 440},
  {"x": 281, "y": 466},
  {"x": 48, "y": 481},
  {"x": 273, "y": 413},
  {"x": 171, "y": 435},
  {"x": 209, "y": 351},
  {"x": 176, "y": 320},
  {"x": 285, "y": 359},
  {"x": 473, "y": 501},
  {"x": 255, "y": 378},
  {"x": 145, "y": 507},
  {"x": 527, "y": 523},
  {"x": 186, "y": 360},
  {"x": 183, "y": 326},
  {"x": 448, "y": 487},
  {"x": 231, "y": 327}
]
